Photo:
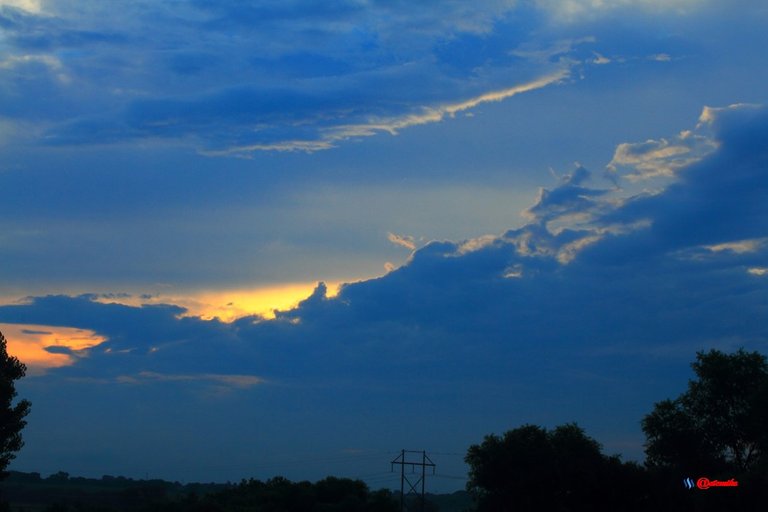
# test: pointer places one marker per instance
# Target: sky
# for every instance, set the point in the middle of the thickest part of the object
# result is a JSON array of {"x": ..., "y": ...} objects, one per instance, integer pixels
[{"x": 248, "y": 238}]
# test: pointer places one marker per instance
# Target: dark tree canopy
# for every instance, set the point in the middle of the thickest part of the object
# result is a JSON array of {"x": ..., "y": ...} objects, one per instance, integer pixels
[
  {"x": 280, "y": 494},
  {"x": 531, "y": 468},
  {"x": 11, "y": 416},
  {"x": 720, "y": 423}
]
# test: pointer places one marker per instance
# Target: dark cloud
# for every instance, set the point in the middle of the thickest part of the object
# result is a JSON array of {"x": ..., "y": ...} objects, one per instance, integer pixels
[
  {"x": 719, "y": 199},
  {"x": 498, "y": 301},
  {"x": 570, "y": 198},
  {"x": 59, "y": 349}
]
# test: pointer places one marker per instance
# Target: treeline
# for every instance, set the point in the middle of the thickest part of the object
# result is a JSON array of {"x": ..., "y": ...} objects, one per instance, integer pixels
[
  {"x": 279, "y": 494},
  {"x": 60, "y": 493}
]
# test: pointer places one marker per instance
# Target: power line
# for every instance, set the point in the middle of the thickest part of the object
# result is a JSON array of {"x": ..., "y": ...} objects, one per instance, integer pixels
[{"x": 451, "y": 477}]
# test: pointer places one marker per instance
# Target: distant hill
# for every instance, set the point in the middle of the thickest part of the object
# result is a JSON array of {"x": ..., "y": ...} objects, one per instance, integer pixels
[{"x": 459, "y": 501}]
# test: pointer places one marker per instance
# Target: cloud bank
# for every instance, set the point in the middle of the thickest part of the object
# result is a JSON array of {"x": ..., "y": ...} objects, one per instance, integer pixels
[{"x": 594, "y": 272}]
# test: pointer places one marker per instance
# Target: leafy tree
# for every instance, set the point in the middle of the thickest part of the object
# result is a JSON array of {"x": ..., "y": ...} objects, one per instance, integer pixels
[
  {"x": 11, "y": 416},
  {"x": 531, "y": 468},
  {"x": 720, "y": 423}
]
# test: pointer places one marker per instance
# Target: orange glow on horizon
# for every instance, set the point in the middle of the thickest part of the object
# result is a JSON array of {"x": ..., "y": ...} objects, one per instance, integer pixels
[{"x": 28, "y": 343}]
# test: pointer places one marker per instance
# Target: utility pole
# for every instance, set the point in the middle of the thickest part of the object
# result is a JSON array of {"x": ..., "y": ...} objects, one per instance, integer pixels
[{"x": 403, "y": 461}]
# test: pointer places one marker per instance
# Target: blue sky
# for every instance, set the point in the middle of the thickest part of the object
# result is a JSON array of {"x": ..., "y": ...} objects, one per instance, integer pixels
[{"x": 254, "y": 238}]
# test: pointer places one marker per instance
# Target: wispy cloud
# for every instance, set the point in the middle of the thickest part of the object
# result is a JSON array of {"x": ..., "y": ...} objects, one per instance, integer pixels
[
  {"x": 402, "y": 240},
  {"x": 654, "y": 158},
  {"x": 436, "y": 114},
  {"x": 739, "y": 247},
  {"x": 330, "y": 136},
  {"x": 18, "y": 60},
  {"x": 234, "y": 381}
]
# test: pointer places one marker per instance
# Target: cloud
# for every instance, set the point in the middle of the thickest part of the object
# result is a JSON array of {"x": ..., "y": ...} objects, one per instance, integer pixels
[
  {"x": 665, "y": 156},
  {"x": 572, "y": 11},
  {"x": 739, "y": 246},
  {"x": 654, "y": 158},
  {"x": 403, "y": 241},
  {"x": 297, "y": 76},
  {"x": 570, "y": 200},
  {"x": 268, "y": 115},
  {"x": 26, "y": 5},
  {"x": 31, "y": 331},
  {"x": 391, "y": 20},
  {"x": 716, "y": 200},
  {"x": 437, "y": 114},
  {"x": 582, "y": 252},
  {"x": 19, "y": 60},
  {"x": 233, "y": 381},
  {"x": 43, "y": 347},
  {"x": 308, "y": 79},
  {"x": 224, "y": 305}
]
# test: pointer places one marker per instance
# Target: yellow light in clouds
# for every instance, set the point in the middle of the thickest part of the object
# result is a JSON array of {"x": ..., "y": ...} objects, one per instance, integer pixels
[
  {"x": 28, "y": 342},
  {"x": 27, "y": 5},
  {"x": 229, "y": 305}
]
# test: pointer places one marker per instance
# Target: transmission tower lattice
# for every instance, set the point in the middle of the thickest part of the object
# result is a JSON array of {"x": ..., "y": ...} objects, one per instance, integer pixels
[{"x": 402, "y": 460}]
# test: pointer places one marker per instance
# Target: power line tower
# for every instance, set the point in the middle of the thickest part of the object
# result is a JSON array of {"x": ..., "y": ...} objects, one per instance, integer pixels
[{"x": 425, "y": 462}]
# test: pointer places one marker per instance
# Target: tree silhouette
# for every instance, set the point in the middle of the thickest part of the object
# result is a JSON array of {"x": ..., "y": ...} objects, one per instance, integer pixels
[
  {"x": 720, "y": 423},
  {"x": 11, "y": 416},
  {"x": 531, "y": 468},
  {"x": 717, "y": 429}
]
